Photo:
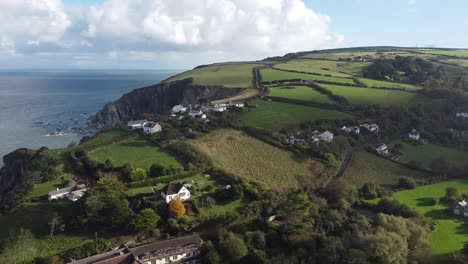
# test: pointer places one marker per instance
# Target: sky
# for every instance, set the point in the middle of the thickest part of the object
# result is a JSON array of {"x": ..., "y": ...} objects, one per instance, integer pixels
[{"x": 181, "y": 34}]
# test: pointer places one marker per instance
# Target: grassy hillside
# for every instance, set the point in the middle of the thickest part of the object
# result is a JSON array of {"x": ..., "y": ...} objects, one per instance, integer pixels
[
  {"x": 248, "y": 157},
  {"x": 384, "y": 84},
  {"x": 447, "y": 52},
  {"x": 229, "y": 75},
  {"x": 137, "y": 151},
  {"x": 270, "y": 75},
  {"x": 275, "y": 115},
  {"x": 313, "y": 66},
  {"x": 301, "y": 93}
]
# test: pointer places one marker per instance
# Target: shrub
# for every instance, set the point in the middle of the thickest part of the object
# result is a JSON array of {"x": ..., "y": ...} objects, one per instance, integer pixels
[
  {"x": 407, "y": 183},
  {"x": 138, "y": 174}
]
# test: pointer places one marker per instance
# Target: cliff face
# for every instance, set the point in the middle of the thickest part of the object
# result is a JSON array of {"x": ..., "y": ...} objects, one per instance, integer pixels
[
  {"x": 157, "y": 99},
  {"x": 14, "y": 177}
]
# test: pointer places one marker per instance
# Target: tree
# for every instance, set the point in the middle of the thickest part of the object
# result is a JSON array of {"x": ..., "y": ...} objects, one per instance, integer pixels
[
  {"x": 232, "y": 247},
  {"x": 138, "y": 174},
  {"x": 146, "y": 221},
  {"x": 176, "y": 208},
  {"x": 212, "y": 257},
  {"x": 157, "y": 170},
  {"x": 407, "y": 183},
  {"x": 55, "y": 224}
]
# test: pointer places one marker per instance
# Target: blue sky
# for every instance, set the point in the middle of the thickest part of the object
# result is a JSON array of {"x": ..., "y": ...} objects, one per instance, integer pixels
[{"x": 185, "y": 33}]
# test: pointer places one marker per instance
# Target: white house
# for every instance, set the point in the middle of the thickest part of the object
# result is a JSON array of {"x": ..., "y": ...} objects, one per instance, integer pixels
[
  {"x": 354, "y": 129},
  {"x": 413, "y": 135},
  {"x": 151, "y": 128},
  {"x": 382, "y": 150},
  {"x": 464, "y": 115},
  {"x": 326, "y": 136},
  {"x": 173, "y": 190},
  {"x": 195, "y": 113},
  {"x": 179, "y": 109},
  {"x": 371, "y": 127},
  {"x": 136, "y": 124},
  {"x": 220, "y": 107},
  {"x": 237, "y": 104},
  {"x": 72, "y": 193}
]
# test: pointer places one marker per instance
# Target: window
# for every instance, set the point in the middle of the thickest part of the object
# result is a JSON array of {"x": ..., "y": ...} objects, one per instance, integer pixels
[
  {"x": 174, "y": 257},
  {"x": 168, "y": 259},
  {"x": 189, "y": 254}
]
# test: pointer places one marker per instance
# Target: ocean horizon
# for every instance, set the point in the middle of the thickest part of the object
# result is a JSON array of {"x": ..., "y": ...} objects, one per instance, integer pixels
[{"x": 48, "y": 107}]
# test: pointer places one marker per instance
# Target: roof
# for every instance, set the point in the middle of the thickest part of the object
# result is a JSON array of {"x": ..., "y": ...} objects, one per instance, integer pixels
[
  {"x": 102, "y": 258},
  {"x": 162, "y": 245},
  {"x": 61, "y": 191},
  {"x": 136, "y": 122},
  {"x": 327, "y": 134},
  {"x": 381, "y": 147},
  {"x": 414, "y": 132},
  {"x": 151, "y": 124},
  {"x": 172, "y": 188}
]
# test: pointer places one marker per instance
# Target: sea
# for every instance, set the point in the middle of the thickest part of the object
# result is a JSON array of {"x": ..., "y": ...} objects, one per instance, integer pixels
[{"x": 50, "y": 107}]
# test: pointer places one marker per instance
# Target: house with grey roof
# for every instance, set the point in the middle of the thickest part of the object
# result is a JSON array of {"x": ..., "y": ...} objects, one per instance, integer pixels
[
  {"x": 136, "y": 124},
  {"x": 151, "y": 128},
  {"x": 71, "y": 193}
]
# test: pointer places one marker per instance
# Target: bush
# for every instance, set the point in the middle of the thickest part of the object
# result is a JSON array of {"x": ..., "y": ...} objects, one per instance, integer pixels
[
  {"x": 138, "y": 175},
  {"x": 407, "y": 183}
]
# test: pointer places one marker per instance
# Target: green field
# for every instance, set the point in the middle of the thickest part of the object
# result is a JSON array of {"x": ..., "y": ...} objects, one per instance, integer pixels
[
  {"x": 454, "y": 52},
  {"x": 270, "y": 75},
  {"x": 137, "y": 151},
  {"x": 228, "y": 75},
  {"x": 463, "y": 63},
  {"x": 450, "y": 234},
  {"x": 367, "y": 167},
  {"x": 251, "y": 158},
  {"x": 301, "y": 93},
  {"x": 369, "y": 96},
  {"x": 384, "y": 84},
  {"x": 348, "y": 54},
  {"x": 275, "y": 115},
  {"x": 313, "y": 66},
  {"x": 425, "y": 153}
]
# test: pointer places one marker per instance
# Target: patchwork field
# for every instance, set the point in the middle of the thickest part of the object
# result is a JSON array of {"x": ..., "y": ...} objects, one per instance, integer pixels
[
  {"x": 369, "y": 96},
  {"x": 229, "y": 75},
  {"x": 367, "y": 167},
  {"x": 275, "y": 115},
  {"x": 137, "y": 151},
  {"x": 270, "y": 75},
  {"x": 425, "y": 153},
  {"x": 344, "y": 55},
  {"x": 450, "y": 234},
  {"x": 301, "y": 93},
  {"x": 253, "y": 159},
  {"x": 313, "y": 66},
  {"x": 384, "y": 84}
]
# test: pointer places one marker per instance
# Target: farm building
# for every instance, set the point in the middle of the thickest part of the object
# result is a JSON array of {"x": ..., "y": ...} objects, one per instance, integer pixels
[
  {"x": 461, "y": 208},
  {"x": 173, "y": 190},
  {"x": 151, "y": 128},
  {"x": 220, "y": 107},
  {"x": 71, "y": 193},
  {"x": 136, "y": 124},
  {"x": 179, "y": 109},
  {"x": 326, "y": 136},
  {"x": 413, "y": 135},
  {"x": 382, "y": 150}
]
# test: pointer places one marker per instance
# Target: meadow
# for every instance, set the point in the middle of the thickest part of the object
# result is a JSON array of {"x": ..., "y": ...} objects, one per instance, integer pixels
[
  {"x": 370, "y": 96},
  {"x": 137, "y": 151},
  {"x": 463, "y": 63},
  {"x": 237, "y": 75},
  {"x": 369, "y": 168},
  {"x": 426, "y": 152},
  {"x": 313, "y": 66},
  {"x": 270, "y": 75},
  {"x": 450, "y": 234},
  {"x": 245, "y": 156},
  {"x": 301, "y": 93},
  {"x": 347, "y": 54},
  {"x": 276, "y": 115},
  {"x": 447, "y": 52},
  {"x": 385, "y": 84}
]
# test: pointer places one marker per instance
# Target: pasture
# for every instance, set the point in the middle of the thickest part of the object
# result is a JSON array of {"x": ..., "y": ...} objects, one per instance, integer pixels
[
  {"x": 370, "y": 96},
  {"x": 247, "y": 157},
  {"x": 270, "y": 75},
  {"x": 369, "y": 168},
  {"x": 137, "y": 151},
  {"x": 314, "y": 66},
  {"x": 276, "y": 115},
  {"x": 229, "y": 75},
  {"x": 301, "y": 93},
  {"x": 463, "y": 63},
  {"x": 450, "y": 234},
  {"x": 446, "y": 52},
  {"x": 351, "y": 54},
  {"x": 426, "y": 152},
  {"x": 385, "y": 84}
]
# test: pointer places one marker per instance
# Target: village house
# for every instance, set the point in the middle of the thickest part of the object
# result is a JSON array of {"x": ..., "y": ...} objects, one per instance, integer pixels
[
  {"x": 196, "y": 113},
  {"x": 220, "y": 107},
  {"x": 151, "y": 127},
  {"x": 354, "y": 129},
  {"x": 464, "y": 115},
  {"x": 326, "y": 136},
  {"x": 136, "y": 124},
  {"x": 179, "y": 109},
  {"x": 173, "y": 190},
  {"x": 413, "y": 135},
  {"x": 382, "y": 150},
  {"x": 237, "y": 104},
  {"x": 461, "y": 208},
  {"x": 299, "y": 138},
  {"x": 184, "y": 249},
  {"x": 71, "y": 193},
  {"x": 371, "y": 127}
]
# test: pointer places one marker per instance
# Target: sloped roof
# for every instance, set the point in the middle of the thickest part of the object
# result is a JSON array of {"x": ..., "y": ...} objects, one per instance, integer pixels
[
  {"x": 166, "y": 244},
  {"x": 172, "y": 188},
  {"x": 136, "y": 122}
]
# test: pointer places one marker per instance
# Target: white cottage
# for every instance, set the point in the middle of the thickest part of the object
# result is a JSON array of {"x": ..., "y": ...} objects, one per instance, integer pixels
[
  {"x": 382, "y": 150},
  {"x": 413, "y": 135},
  {"x": 152, "y": 127},
  {"x": 326, "y": 136},
  {"x": 173, "y": 190},
  {"x": 136, "y": 124},
  {"x": 179, "y": 109}
]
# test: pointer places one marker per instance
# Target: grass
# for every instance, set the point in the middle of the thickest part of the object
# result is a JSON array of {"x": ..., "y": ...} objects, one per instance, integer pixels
[
  {"x": 228, "y": 75},
  {"x": 369, "y": 96},
  {"x": 384, "y": 84},
  {"x": 140, "y": 190},
  {"x": 43, "y": 189},
  {"x": 463, "y": 63},
  {"x": 344, "y": 55},
  {"x": 137, "y": 151},
  {"x": 447, "y": 52},
  {"x": 275, "y": 115},
  {"x": 314, "y": 66},
  {"x": 221, "y": 209},
  {"x": 245, "y": 94},
  {"x": 425, "y": 153},
  {"x": 247, "y": 157},
  {"x": 270, "y": 75},
  {"x": 368, "y": 168},
  {"x": 301, "y": 93},
  {"x": 450, "y": 234}
]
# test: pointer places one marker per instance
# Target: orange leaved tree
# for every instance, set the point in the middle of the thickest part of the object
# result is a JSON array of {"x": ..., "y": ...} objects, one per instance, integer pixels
[{"x": 176, "y": 208}]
